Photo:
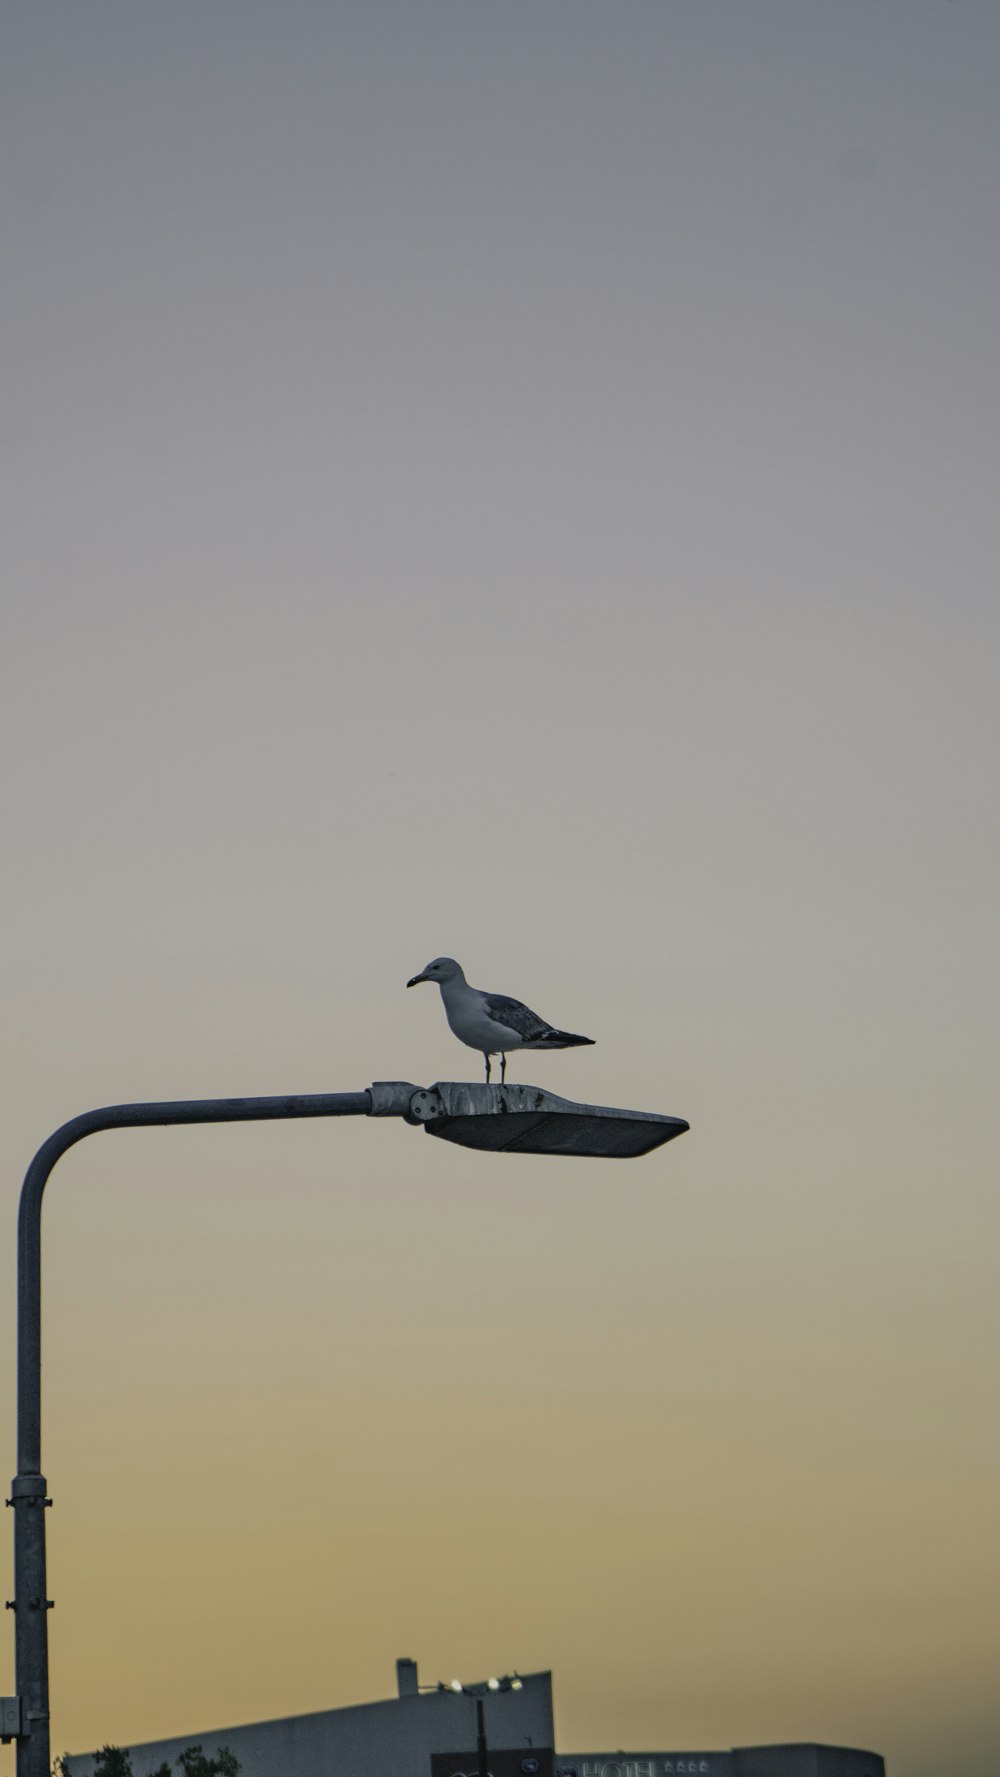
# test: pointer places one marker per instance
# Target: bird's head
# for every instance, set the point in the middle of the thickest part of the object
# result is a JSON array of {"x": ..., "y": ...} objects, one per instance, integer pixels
[{"x": 442, "y": 969}]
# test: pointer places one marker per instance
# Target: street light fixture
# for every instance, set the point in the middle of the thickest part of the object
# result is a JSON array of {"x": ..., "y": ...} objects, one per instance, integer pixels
[
  {"x": 502, "y": 1118},
  {"x": 509, "y": 1682}
]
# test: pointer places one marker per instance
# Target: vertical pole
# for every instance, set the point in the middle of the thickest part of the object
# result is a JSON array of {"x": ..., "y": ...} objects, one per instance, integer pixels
[
  {"x": 31, "y": 1600},
  {"x": 31, "y": 1606},
  {"x": 481, "y": 1738}
]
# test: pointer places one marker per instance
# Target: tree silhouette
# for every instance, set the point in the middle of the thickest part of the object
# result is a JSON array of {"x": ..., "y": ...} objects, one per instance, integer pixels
[
  {"x": 112, "y": 1761},
  {"x": 116, "y": 1761},
  {"x": 194, "y": 1763}
]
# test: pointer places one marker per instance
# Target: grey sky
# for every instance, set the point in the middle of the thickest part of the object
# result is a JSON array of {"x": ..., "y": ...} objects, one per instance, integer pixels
[{"x": 521, "y": 481}]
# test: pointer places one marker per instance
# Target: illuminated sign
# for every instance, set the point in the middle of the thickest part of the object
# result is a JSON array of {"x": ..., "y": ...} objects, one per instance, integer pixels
[{"x": 648, "y": 1764}]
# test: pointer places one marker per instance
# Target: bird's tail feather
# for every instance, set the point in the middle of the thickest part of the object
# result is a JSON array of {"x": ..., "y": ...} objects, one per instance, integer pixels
[{"x": 558, "y": 1039}]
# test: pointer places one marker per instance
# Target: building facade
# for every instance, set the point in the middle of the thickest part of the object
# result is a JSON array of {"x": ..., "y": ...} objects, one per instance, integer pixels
[
  {"x": 430, "y": 1732},
  {"x": 789, "y": 1760}
]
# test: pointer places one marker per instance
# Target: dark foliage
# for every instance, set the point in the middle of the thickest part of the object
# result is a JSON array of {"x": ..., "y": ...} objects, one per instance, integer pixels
[
  {"x": 116, "y": 1761},
  {"x": 194, "y": 1763},
  {"x": 112, "y": 1761}
]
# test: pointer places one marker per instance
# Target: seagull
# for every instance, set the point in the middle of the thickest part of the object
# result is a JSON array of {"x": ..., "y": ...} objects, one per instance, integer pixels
[{"x": 491, "y": 1022}]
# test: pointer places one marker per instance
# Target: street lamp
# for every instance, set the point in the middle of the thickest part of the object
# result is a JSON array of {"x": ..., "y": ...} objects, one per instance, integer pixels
[
  {"x": 510, "y": 1682},
  {"x": 503, "y": 1118}
]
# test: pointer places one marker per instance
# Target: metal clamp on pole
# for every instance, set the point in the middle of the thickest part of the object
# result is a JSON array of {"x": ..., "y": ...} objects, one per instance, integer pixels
[
  {"x": 10, "y": 1719},
  {"x": 400, "y": 1098},
  {"x": 391, "y": 1098}
]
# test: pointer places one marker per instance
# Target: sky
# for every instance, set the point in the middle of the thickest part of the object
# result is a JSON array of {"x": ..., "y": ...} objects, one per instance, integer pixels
[{"x": 516, "y": 482}]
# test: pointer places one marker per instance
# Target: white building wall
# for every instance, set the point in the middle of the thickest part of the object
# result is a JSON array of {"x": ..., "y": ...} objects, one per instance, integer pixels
[{"x": 394, "y": 1738}]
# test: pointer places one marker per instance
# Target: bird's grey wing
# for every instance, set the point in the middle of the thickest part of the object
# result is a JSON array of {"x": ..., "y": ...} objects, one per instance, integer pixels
[{"x": 516, "y": 1016}]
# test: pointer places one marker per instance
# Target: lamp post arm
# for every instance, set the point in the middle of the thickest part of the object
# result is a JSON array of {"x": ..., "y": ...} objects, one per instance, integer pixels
[
  {"x": 30, "y": 1601},
  {"x": 29, "y": 1225}
]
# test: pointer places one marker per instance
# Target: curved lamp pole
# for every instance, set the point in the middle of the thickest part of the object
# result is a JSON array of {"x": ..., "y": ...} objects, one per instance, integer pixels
[
  {"x": 502, "y": 1118},
  {"x": 29, "y": 1713}
]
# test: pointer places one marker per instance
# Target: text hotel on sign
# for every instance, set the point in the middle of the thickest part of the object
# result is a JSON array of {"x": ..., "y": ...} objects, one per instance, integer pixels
[{"x": 693, "y": 1765}]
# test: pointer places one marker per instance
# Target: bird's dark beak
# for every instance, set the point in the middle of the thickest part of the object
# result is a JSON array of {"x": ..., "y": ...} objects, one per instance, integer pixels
[{"x": 415, "y": 978}]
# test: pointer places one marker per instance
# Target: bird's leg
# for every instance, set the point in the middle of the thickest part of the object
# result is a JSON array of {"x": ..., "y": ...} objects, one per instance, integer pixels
[
  {"x": 487, "y": 1061},
  {"x": 503, "y": 1068}
]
